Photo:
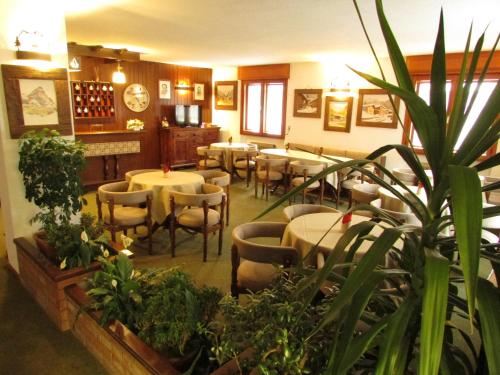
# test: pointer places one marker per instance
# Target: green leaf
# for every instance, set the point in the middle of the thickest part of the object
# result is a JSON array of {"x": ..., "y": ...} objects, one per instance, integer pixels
[
  {"x": 467, "y": 215},
  {"x": 434, "y": 305},
  {"x": 488, "y": 300},
  {"x": 393, "y": 348}
]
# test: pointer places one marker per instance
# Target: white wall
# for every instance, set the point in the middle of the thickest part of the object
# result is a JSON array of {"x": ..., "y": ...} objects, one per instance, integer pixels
[{"x": 47, "y": 18}]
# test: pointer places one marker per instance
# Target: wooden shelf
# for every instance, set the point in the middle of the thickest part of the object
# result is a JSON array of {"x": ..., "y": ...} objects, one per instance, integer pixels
[{"x": 93, "y": 100}]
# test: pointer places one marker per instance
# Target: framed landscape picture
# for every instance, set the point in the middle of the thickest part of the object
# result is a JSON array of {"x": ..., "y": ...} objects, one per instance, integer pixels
[
  {"x": 226, "y": 95},
  {"x": 199, "y": 91},
  {"x": 36, "y": 100},
  {"x": 307, "y": 103},
  {"x": 164, "y": 87},
  {"x": 375, "y": 109},
  {"x": 338, "y": 114}
]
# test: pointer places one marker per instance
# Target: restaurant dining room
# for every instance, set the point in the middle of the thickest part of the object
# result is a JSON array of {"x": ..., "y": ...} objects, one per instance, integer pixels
[{"x": 232, "y": 187}]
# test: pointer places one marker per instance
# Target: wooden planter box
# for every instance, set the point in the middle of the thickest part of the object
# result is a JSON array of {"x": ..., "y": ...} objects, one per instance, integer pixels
[
  {"x": 117, "y": 348},
  {"x": 46, "y": 282}
]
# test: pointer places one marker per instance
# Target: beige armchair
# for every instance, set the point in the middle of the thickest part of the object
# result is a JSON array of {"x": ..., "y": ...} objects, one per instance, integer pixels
[
  {"x": 270, "y": 172},
  {"x": 197, "y": 212},
  {"x": 219, "y": 178},
  {"x": 364, "y": 193},
  {"x": 209, "y": 159},
  {"x": 253, "y": 265},
  {"x": 244, "y": 163},
  {"x": 121, "y": 211},
  {"x": 405, "y": 175},
  {"x": 296, "y": 210},
  {"x": 300, "y": 172}
]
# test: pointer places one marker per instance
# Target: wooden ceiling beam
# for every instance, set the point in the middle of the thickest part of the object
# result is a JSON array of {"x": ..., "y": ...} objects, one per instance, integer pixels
[{"x": 122, "y": 54}]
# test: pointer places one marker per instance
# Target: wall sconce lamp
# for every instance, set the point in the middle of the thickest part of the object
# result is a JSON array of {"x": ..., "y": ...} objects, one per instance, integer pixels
[
  {"x": 339, "y": 93},
  {"x": 30, "y": 43},
  {"x": 118, "y": 75},
  {"x": 181, "y": 86}
]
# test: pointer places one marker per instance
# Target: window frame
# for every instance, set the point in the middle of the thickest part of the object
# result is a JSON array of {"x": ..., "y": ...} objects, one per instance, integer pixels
[
  {"x": 263, "y": 96},
  {"x": 453, "y": 78}
]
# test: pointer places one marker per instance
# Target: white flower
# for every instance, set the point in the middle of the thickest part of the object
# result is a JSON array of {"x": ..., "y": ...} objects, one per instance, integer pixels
[
  {"x": 63, "y": 264},
  {"x": 126, "y": 241},
  {"x": 84, "y": 237},
  {"x": 114, "y": 283},
  {"x": 105, "y": 253}
]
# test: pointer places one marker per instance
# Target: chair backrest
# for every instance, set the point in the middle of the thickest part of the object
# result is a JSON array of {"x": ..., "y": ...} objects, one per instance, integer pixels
[
  {"x": 309, "y": 168},
  {"x": 212, "y": 194},
  {"x": 364, "y": 193},
  {"x": 263, "y": 253},
  {"x": 263, "y": 162},
  {"x": 130, "y": 174},
  {"x": 243, "y": 154},
  {"x": 296, "y": 210},
  {"x": 407, "y": 217},
  {"x": 215, "y": 177},
  {"x": 117, "y": 192},
  {"x": 262, "y": 145},
  {"x": 406, "y": 175}
]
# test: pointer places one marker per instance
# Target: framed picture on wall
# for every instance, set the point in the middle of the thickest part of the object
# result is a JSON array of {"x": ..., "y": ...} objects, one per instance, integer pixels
[
  {"x": 36, "y": 100},
  {"x": 164, "y": 87},
  {"x": 307, "y": 103},
  {"x": 338, "y": 114},
  {"x": 375, "y": 109},
  {"x": 226, "y": 95},
  {"x": 199, "y": 91}
]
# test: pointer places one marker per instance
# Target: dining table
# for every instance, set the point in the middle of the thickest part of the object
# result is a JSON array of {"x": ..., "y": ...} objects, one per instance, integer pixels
[
  {"x": 229, "y": 147},
  {"x": 162, "y": 184},
  {"x": 331, "y": 178},
  {"x": 307, "y": 231}
]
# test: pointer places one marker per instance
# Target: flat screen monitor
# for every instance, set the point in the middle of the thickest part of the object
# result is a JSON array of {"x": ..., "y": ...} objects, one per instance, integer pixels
[
  {"x": 194, "y": 118},
  {"x": 180, "y": 114}
]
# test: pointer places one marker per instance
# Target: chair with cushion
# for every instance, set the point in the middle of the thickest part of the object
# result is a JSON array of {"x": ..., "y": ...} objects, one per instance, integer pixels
[
  {"x": 244, "y": 163},
  {"x": 219, "y": 178},
  {"x": 122, "y": 212},
  {"x": 405, "y": 175},
  {"x": 253, "y": 265},
  {"x": 301, "y": 171},
  {"x": 296, "y": 210},
  {"x": 196, "y": 212},
  {"x": 364, "y": 193},
  {"x": 209, "y": 159},
  {"x": 270, "y": 171},
  {"x": 130, "y": 174},
  {"x": 263, "y": 145}
]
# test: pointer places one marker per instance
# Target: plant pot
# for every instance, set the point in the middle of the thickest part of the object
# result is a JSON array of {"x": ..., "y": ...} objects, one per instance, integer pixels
[{"x": 41, "y": 242}]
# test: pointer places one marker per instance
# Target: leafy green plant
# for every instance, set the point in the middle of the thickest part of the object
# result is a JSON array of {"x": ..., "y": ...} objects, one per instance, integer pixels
[
  {"x": 175, "y": 312},
  {"x": 77, "y": 244},
  {"x": 50, "y": 166},
  {"x": 434, "y": 276},
  {"x": 115, "y": 291}
]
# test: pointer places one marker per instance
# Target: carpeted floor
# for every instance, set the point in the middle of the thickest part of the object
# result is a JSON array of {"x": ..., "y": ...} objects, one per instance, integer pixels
[{"x": 31, "y": 344}]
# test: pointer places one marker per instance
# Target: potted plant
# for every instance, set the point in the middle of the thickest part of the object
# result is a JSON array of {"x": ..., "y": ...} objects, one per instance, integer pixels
[
  {"x": 434, "y": 313},
  {"x": 162, "y": 307}
]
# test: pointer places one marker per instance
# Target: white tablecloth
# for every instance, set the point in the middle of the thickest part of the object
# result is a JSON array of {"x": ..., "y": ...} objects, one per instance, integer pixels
[
  {"x": 305, "y": 231},
  {"x": 306, "y": 156},
  {"x": 185, "y": 182},
  {"x": 229, "y": 147}
]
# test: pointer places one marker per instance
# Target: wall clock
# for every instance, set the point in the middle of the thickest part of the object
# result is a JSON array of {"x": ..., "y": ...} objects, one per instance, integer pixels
[{"x": 136, "y": 97}]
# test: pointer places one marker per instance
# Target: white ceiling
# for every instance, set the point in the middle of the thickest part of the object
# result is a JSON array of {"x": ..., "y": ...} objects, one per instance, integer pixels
[{"x": 246, "y": 32}]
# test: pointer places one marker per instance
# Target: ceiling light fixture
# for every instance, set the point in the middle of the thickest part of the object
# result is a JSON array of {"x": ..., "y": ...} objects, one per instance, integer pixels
[{"x": 118, "y": 75}]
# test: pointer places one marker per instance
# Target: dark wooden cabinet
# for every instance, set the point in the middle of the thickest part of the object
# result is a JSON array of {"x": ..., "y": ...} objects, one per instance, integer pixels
[{"x": 178, "y": 145}]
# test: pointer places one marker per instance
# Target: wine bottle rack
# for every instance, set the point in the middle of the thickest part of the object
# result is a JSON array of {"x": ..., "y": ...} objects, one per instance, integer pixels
[{"x": 93, "y": 99}]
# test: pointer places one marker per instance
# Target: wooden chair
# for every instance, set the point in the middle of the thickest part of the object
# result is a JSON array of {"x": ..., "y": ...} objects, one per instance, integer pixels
[
  {"x": 209, "y": 159},
  {"x": 270, "y": 172},
  {"x": 130, "y": 174},
  {"x": 122, "y": 212},
  {"x": 253, "y": 265},
  {"x": 196, "y": 212},
  {"x": 300, "y": 172},
  {"x": 296, "y": 210},
  {"x": 263, "y": 145},
  {"x": 364, "y": 193},
  {"x": 244, "y": 163},
  {"x": 219, "y": 178},
  {"x": 405, "y": 175}
]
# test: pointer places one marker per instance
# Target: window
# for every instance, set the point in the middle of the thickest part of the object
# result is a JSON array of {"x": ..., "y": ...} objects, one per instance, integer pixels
[
  {"x": 420, "y": 70},
  {"x": 264, "y": 108}
]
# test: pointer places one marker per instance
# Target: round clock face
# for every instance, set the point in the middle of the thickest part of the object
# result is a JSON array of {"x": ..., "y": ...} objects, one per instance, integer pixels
[{"x": 136, "y": 97}]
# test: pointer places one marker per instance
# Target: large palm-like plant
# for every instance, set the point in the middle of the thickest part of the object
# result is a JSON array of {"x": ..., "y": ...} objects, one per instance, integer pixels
[{"x": 415, "y": 324}]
